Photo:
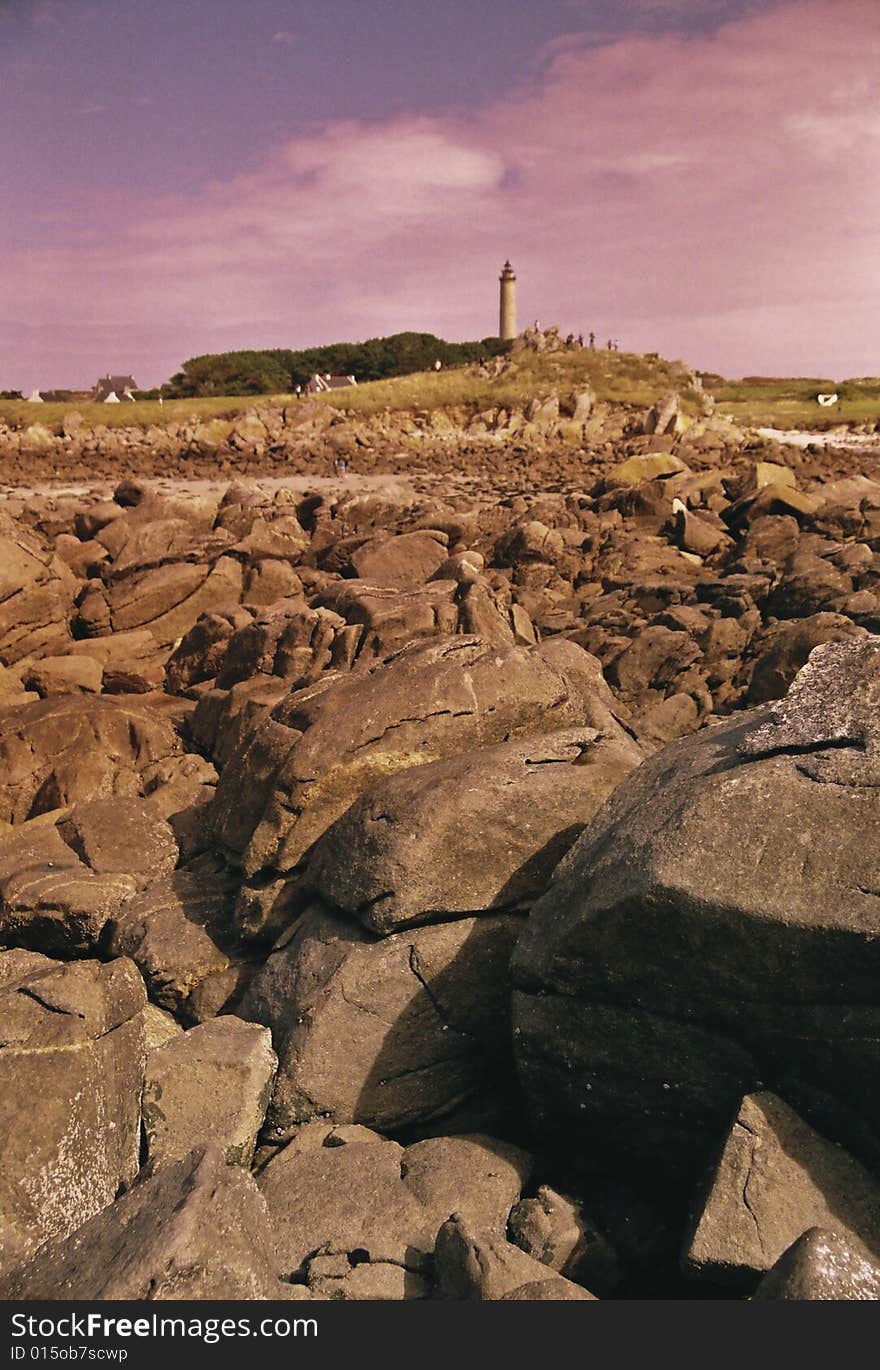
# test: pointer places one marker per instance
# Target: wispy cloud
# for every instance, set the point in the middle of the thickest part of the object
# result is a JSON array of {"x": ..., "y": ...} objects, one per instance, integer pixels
[
  {"x": 284, "y": 36},
  {"x": 704, "y": 196}
]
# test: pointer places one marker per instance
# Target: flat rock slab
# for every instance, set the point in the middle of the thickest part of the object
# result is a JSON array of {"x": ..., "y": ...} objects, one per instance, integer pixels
[
  {"x": 198, "y": 1229},
  {"x": 71, "y": 1067},
  {"x": 211, "y": 1084}
]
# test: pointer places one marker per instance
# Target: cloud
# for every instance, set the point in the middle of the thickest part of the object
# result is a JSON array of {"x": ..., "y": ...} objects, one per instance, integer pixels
[
  {"x": 284, "y": 36},
  {"x": 707, "y": 197},
  {"x": 92, "y": 107}
]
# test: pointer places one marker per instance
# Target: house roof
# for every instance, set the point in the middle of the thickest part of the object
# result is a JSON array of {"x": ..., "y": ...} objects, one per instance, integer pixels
[
  {"x": 116, "y": 385},
  {"x": 328, "y": 382}
]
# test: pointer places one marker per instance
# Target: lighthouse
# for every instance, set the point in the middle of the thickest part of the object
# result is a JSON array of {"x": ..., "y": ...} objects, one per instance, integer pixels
[{"x": 507, "y": 325}]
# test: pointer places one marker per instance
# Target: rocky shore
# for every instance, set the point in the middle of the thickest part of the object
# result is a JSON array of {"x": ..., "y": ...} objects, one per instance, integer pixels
[{"x": 459, "y": 880}]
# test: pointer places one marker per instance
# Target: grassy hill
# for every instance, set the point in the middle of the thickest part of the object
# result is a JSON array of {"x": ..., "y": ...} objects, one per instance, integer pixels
[{"x": 616, "y": 377}]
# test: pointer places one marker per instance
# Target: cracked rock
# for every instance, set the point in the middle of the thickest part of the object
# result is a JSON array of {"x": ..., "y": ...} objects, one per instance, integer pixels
[
  {"x": 776, "y": 1178},
  {"x": 388, "y": 1032},
  {"x": 714, "y": 928},
  {"x": 322, "y": 746},
  {"x": 211, "y": 1084},
  {"x": 197, "y": 1229},
  {"x": 72, "y": 1047},
  {"x": 479, "y": 831}
]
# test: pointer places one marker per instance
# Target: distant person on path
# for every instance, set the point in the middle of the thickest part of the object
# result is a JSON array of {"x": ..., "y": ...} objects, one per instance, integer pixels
[
  {"x": 580, "y": 339},
  {"x": 593, "y": 341},
  {"x": 340, "y": 467},
  {"x": 609, "y": 346}
]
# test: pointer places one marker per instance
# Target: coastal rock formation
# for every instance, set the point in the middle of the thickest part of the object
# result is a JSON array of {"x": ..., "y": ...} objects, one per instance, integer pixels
[
  {"x": 320, "y": 747},
  {"x": 396, "y": 900},
  {"x": 669, "y": 969},
  {"x": 71, "y": 1067},
  {"x": 198, "y": 1229}
]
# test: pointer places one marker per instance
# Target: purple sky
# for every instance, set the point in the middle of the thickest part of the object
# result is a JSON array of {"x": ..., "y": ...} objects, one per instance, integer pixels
[{"x": 696, "y": 177}]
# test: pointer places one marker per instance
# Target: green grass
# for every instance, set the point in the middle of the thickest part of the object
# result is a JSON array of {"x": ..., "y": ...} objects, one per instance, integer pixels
[
  {"x": 770, "y": 402},
  {"x": 21, "y": 414},
  {"x": 622, "y": 377},
  {"x": 619, "y": 377}
]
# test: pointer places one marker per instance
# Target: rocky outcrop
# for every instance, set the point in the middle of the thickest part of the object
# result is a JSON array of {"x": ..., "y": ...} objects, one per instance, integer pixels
[
  {"x": 424, "y": 1014},
  {"x": 71, "y": 1067},
  {"x": 669, "y": 968},
  {"x": 775, "y": 1180},
  {"x": 198, "y": 1229},
  {"x": 321, "y": 747},
  {"x": 304, "y": 758}
]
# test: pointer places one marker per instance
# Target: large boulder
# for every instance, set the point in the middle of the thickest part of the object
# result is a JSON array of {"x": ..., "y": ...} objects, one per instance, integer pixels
[
  {"x": 61, "y": 882},
  {"x": 479, "y": 831},
  {"x": 408, "y": 559},
  {"x": 322, "y": 746},
  {"x": 715, "y": 928},
  {"x": 198, "y": 1229},
  {"x": 57, "y": 751},
  {"x": 387, "y": 1032},
  {"x": 71, "y": 1068},
  {"x": 822, "y": 1265}
]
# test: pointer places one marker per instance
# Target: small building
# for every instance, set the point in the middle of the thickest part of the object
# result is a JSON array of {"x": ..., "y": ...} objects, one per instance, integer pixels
[
  {"x": 319, "y": 384},
  {"x": 114, "y": 390}
]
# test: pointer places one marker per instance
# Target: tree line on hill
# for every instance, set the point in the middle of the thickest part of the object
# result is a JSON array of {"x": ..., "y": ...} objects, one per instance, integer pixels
[{"x": 279, "y": 370}]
